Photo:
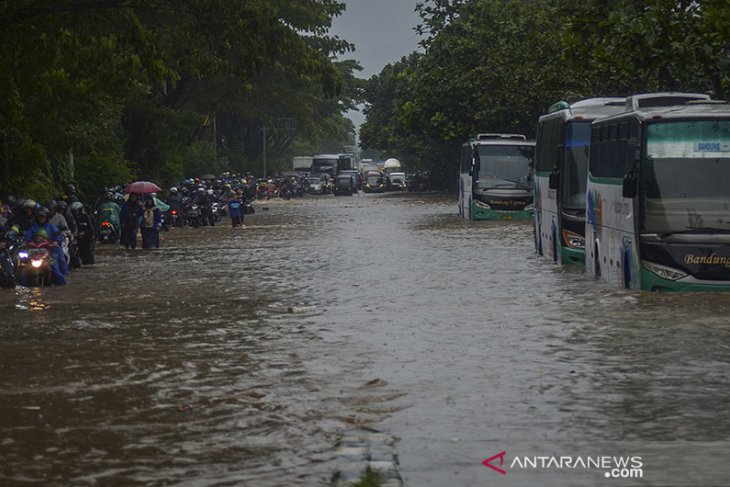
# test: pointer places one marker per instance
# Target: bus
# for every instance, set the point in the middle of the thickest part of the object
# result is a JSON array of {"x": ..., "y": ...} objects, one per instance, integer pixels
[
  {"x": 561, "y": 168},
  {"x": 495, "y": 180},
  {"x": 332, "y": 164},
  {"x": 658, "y": 195}
]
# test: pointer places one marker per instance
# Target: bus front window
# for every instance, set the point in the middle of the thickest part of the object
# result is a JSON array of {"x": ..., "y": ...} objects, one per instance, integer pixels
[
  {"x": 685, "y": 177},
  {"x": 575, "y": 172},
  {"x": 505, "y": 166}
]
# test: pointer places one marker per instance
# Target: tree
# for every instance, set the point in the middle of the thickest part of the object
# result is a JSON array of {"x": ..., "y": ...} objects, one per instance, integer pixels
[{"x": 135, "y": 84}]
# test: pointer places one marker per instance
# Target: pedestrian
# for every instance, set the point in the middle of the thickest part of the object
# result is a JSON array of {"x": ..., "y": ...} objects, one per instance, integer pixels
[
  {"x": 129, "y": 216},
  {"x": 150, "y": 218},
  {"x": 236, "y": 210}
]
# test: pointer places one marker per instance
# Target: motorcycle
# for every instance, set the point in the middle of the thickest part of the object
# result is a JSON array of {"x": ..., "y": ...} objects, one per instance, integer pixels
[
  {"x": 71, "y": 250},
  {"x": 212, "y": 214},
  {"x": 174, "y": 218},
  {"x": 7, "y": 257},
  {"x": 108, "y": 232},
  {"x": 34, "y": 264},
  {"x": 194, "y": 216}
]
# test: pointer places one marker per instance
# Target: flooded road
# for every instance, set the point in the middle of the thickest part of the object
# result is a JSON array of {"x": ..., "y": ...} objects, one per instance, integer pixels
[{"x": 237, "y": 357}]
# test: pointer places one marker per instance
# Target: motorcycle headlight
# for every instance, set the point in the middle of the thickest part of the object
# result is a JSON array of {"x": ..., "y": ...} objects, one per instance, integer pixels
[
  {"x": 530, "y": 207},
  {"x": 482, "y": 205},
  {"x": 663, "y": 271},
  {"x": 22, "y": 254},
  {"x": 573, "y": 240},
  {"x": 36, "y": 263}
]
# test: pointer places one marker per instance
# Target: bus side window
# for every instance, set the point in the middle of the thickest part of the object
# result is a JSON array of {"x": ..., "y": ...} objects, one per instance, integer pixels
[{"x": 596, "y": 151}]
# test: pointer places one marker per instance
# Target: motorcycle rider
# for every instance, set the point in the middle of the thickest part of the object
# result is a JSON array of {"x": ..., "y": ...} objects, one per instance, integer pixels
[
  {"x": 109, "y": 211},
  {"x": 43, "y": 230},
  {"x": 59, "y": 220},
  {"x": 24, "y": 219},
  {"x": 70, "y": 195},
  {"x": 204, "y": 201},
  {"x": 85, "y": 235}
]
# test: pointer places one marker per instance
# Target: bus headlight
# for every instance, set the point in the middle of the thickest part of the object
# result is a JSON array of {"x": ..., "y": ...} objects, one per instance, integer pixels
[
  {"x": 482, "y": 205},
  {"x": 663, "y": 271},
  {"x": 573, "y": 240}
]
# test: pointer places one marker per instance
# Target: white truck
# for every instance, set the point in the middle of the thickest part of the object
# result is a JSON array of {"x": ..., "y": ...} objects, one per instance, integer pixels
[{"x": 302, "y": 163}]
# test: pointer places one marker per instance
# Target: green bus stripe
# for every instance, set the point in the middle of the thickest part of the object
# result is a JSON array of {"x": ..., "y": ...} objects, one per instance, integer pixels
[{"x": 611, "y": 181}]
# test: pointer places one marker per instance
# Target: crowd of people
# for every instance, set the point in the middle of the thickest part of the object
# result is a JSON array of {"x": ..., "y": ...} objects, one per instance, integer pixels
[{"x": 73, "y": 228}]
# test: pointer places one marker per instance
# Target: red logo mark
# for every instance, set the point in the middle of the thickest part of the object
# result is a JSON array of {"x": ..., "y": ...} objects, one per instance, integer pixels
[{"x": 488, "y": 462}]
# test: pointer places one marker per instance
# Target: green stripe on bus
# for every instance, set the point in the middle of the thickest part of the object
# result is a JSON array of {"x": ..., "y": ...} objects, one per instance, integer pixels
[{"x": 611, "y": 181}]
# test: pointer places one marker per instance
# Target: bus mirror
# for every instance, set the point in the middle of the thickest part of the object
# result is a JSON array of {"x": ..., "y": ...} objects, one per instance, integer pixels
[
  {"x": 629, "y": 186},
  {"x": 554, "y": 179}
]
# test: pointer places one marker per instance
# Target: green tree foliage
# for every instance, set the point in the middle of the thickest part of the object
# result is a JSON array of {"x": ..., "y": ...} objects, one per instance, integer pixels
[
  {"x": 633, "y": 46},
  {"x": 133, "y": 87},
  {"x": 496, "y": 65}
]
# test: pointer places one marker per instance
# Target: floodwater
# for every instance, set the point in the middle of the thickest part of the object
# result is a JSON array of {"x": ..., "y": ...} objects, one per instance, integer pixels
[{"x": 237, "y": 357}]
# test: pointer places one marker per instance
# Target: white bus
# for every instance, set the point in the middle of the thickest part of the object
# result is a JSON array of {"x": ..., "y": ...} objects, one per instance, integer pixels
[
  {"x": 658, "y": 195},
  {"x": 561, "y": 168},
  {"x": 495, "y": 181}
]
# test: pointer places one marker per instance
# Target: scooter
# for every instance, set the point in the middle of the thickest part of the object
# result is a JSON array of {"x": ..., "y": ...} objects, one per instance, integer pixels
[
  {"x": 194, "y": 216},
  {"x": 108, "y": 232},
  {"x": 34, "y": 264}
]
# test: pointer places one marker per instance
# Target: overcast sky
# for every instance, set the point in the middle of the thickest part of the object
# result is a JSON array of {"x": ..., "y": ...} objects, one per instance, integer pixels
[{"x": 382, "y": 32}]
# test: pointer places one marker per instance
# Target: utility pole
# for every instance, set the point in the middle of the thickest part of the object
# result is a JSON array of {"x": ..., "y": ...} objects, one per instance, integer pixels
[
  {"x": 215, "y": 138},
  {"x": 263, "y": 130}
]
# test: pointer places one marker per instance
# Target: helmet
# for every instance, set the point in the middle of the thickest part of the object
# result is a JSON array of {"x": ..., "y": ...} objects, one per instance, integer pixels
[
  {"x": 173, "y": 190},
  {"x": 71, "y": 189},
  {"x": 210, "y": 191},
  {"x": 61, "y": 204},
  {"x": 29, "y": 203},
  {"x": 42, "y": 211},
  {"x": 76, "y": 205}
]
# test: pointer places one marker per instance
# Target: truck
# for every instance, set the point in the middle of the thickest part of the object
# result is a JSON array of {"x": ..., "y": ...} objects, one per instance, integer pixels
[{"x": 302, "y": 163}]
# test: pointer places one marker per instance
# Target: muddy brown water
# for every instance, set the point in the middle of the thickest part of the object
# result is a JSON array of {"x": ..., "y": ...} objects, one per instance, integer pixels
[{"x": 187, "y": 366}]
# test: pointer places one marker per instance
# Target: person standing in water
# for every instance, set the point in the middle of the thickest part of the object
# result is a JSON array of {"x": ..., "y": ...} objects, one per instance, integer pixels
[{"x": 150, "y": 218}]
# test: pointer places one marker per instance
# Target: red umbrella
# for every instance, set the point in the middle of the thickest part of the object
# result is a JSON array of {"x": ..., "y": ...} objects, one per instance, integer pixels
[{"x": 142, "y": 187}]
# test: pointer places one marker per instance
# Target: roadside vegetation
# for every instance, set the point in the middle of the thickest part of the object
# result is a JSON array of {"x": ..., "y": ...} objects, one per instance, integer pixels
[
  {"x": 98, "y": 92},
  {"x": 496, "y": 65}
]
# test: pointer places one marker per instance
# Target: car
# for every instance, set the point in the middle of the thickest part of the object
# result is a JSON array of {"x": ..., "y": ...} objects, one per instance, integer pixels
[
  {"x": 397, "y": 181},
  {"x": 316, "y": 185},
  {"x": 355, "y": 175},
  {"x": 345, "y": 185},
  {"x": 374, "y": 183}
]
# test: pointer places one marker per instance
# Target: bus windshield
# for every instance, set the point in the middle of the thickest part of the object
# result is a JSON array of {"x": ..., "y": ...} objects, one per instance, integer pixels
[
  {"x": 685, "y": 177},
  {"x": 320, "y": 166},
  {"x": 505, "y": 166},
  {"x": 575, "y": 172}
]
